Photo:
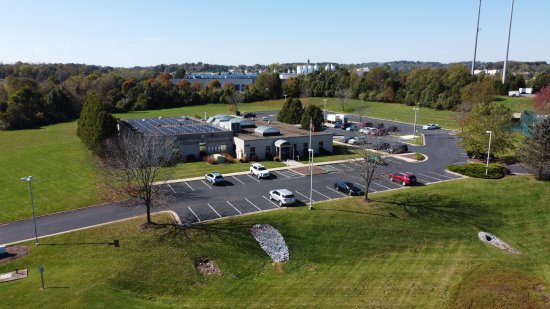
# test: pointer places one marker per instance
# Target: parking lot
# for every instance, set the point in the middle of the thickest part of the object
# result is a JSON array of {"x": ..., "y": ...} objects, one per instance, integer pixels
[{"x": 199, "y": 200}]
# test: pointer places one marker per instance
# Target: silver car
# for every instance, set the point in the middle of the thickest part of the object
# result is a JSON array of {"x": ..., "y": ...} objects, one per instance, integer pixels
[
  {"x": 214, "y": 178},
  {"x": 282, "y": 196}
]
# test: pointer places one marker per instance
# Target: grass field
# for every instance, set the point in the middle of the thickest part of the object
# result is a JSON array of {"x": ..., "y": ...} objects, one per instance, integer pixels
[
  {"x": 415, "y": 247},
  {"x": 517, "y": 104}
]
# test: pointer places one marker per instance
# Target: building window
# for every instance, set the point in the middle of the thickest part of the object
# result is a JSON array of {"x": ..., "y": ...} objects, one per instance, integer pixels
[
  {"x": 306, "y": 147},
  {"x": 321, "y": 148},
  {"x": 223, "y": 148},
  {"x": 267, "y": 150},
  {"x": 252, "y": 150}
]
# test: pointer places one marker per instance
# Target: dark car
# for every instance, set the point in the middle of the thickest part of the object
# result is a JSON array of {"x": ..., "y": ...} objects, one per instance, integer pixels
[
  {"x": 406, "y": 179},
  {"x": 249, "y": 115},
  {"x": 347, "y": 187},
  {"x": 345, "y": 125},
  {"x": 381, "y": 146},
  {"x": 379, "y": 132},
  {"x": 395, "y": 149},
  {"x": 392, "y": 129},
  {"x": 380, "y": 126},
  {"x": 366, "y": 124}
]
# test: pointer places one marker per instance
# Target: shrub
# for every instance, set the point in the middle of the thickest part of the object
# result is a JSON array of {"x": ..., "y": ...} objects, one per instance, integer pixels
[
  {"x": 477, "y": 170},
  {"x": 254, "y": 157},
  {"x": 276, "y": 158},
  {"x": 243, "y": 159},
  {"x": 190, "y": 158},
  {"x": 211, "y": 160},
  {"x": 228, "y": 158},
  {"x": 418, "y": 156}
]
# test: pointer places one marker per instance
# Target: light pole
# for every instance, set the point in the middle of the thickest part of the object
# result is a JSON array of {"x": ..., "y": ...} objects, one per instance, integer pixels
[
  {"x": 285, "y": 96},
  {"x": 325, "y": 110},
  {"x": 29, "y": 179},
  {"x": 415, "y": 109},
  {"x": 310, "y": 151},
  {"x": 508, "y": 44},
  {"x": 488, "y": 152},
  {"x": 477, "y": 33}
]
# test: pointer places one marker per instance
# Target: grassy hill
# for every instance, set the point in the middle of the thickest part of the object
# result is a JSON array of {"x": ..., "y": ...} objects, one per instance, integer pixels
[{"x": 414, "y": 247}]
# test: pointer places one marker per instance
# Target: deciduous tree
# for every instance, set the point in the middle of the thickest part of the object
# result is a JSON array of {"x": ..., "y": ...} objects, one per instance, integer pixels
[
  {"x": 542, "y": 101},
  {"x": 535, "y": 151}
]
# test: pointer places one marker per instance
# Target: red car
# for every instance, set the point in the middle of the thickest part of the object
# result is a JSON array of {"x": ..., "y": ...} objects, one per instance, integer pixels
[{"x": 406, "y": 179}]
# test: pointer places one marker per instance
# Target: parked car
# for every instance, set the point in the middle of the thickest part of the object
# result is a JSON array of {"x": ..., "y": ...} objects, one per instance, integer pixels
[
  {"x": 358, "y": 140},
  {"x": 352, "y": 127},
  {"x": 345, "y": 139},
  {"x": 214, "y": 178},
  {"x": 395, "y": 149},
  {"x": 406, "y": 179},
  {"x": 380, "y": 146},
  {"x": 345, "y": 125},
  {"x": 259, "y": 170},
  {"x": 368, "y": 130},
  {"x": 282, "y": 196},
  {"x": 367, "y": 124},
  {"x": 380, "y": 126},
  {"x": 379, "y": 132},
  {"x": 376, "y": 159},
  {"x": 430, "y": 126},
  {"x": 347, "y": 187},
  {"x": 249, "y": 115},
  {"x": 392, "y": 129},
  {"x": 265, "y": 118}
]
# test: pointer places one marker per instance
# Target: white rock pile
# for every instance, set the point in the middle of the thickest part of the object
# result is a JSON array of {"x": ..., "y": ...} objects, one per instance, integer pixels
[
  {"x": 271, "y": 241},
  {"x": 496, "y": 242}
]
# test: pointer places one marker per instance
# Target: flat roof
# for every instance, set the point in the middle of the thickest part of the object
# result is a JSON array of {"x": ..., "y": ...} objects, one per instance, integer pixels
[
  {"x": 287, "y": 130},
  {"x": 171, "y": 126}
]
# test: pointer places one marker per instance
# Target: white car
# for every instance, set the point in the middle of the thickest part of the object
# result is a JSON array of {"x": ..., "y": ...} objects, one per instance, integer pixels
[
  {"x": 259, "y": 170},
  {"x": 368, "y": 130},
  {"x": 282, "y": 196},
  {"x": 214, "y": 178},
  {"x": 430, "y": 126},
  {"x": 359, "y": 140}
]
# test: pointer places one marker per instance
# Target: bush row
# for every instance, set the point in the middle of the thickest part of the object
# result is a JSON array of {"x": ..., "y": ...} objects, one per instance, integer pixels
[{"x": 477, "y": 170}]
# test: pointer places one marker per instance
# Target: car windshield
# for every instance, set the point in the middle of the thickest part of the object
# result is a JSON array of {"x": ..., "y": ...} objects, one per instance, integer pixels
[
  {"x": 261, "y": 168},
  {"x": 218, "y": 176},
  {"x": 412, "y": 177},
  {"x": 288, "y": 196},
  {"x": 349, "y": 184}
]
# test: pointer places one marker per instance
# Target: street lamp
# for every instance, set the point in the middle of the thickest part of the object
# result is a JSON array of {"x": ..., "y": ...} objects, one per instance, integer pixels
[
  {"x": 415, "y": 109},
  {"x": 325, "y": 109},
  {"x": 310, "y": 152},
  {"x": 488, "y": 152},
  {"x": 285, "y": 96},
  {"x": 29, "y": 179}
]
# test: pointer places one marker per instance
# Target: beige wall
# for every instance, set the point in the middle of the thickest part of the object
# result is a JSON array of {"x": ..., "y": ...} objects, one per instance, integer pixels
[{"x": 242, "y": 147}]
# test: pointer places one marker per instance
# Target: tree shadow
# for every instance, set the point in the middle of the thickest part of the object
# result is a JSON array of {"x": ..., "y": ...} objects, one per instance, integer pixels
[
  {"x": 390, "y": 215},
  {"x": 114, "y": 243},
  {"x": 443, "y": 209}
]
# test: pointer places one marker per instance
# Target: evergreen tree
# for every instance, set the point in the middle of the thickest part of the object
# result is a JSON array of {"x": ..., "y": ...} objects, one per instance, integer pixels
[
  {"x": 535, "y": 151},
  {"x": 95, "y": 124},
  {"x": 314, "y": 113}
]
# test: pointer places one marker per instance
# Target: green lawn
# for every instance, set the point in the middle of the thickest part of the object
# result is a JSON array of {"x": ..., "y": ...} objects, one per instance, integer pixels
[
  {"x": 415, "y": 247},
  {"x": 516, "y": 104}
]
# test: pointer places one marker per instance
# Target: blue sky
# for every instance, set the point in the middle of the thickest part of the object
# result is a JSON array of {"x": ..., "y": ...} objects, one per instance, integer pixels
[{"x": 141, "y": 33}]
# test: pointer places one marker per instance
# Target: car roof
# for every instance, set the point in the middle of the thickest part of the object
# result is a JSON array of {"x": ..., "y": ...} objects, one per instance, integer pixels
[
  {"x": 257, "y": 164},
  {"x": 216, "y": 174},
  {"x": 284, "y": 191}
]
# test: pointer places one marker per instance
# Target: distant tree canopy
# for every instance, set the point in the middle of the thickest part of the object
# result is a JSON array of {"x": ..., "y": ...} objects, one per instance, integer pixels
[{"x": 39, "y": 94}]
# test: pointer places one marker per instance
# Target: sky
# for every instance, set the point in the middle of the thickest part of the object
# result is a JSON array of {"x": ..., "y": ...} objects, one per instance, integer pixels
[{"x": 127, "y": 33}]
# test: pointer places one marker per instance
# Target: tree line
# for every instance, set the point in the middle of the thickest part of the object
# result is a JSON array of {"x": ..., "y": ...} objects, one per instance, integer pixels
[{"x": 34, "y": 95}]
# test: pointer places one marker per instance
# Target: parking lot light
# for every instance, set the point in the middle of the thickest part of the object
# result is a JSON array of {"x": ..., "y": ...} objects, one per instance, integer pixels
[
  {"x": 415, "y": 109},
  {"x": 29, "y": 180},
  {"x": 488, "y": 152}
]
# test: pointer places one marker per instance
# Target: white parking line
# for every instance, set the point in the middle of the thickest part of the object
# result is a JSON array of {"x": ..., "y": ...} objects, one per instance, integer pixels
[
  {"x": 271, "y": 201},
  {"x": 253, "y": 178},
  {"x": 448, "y": 177},
  {"x": 332, "y": 167},
  {"x": 214, "y": 210},
  {"x": 381, "y": 185},
  {"x": 253, "y": 204},
  {"x": 209, "y": 187},
  {"x": 307, "y": 197},
  {"x": 321, "y": 194},
  {"x": 171, "y": 188},
  {"x": 428, "y": 176},
  {"x": 282, "y": 174},
  {"x": 237, "y": 179},
  {"x": 394, "y": 161},
  {"x": 194, "y": 214},
  {"x": 335, "y": 191},
  {"x": 188, "y": 185},
  {"x": 234, "y": 207}
]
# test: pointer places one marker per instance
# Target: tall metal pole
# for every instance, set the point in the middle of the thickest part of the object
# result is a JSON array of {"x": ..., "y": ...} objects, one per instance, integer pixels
[
  {"x": 477, "y": 33},
  {"x": 29, "y": 180},
  {"x": 488, "y": 152},
  {"x": 508, "y": 44},
  {"x": 415, "y": 109},
  {"x": 325, "y": 110},
  {"x": 310, "y": 150}
]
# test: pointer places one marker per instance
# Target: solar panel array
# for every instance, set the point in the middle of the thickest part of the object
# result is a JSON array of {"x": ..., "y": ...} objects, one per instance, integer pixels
[{"x": 171, "y": 126}]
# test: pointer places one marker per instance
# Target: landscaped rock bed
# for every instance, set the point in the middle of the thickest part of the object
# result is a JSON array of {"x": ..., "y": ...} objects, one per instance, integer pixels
[
  {"x": 496, "y": 242},
  {"x": 14, "y": 253},
  {"x": 271, "y": 241},
  {"x": 207, "y": 267}
]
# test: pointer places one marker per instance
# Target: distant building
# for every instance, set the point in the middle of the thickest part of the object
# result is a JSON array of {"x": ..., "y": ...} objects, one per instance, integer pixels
[
  {"x": 240, "y": 81},
  {"x": 362, "y": 71},
  {"x": 304, "y": 69},
  {"x": 486, "y": 72}
]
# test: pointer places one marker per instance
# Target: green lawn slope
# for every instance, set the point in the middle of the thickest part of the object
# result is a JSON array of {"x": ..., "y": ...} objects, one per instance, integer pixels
[{"x": 415, "y": 247}]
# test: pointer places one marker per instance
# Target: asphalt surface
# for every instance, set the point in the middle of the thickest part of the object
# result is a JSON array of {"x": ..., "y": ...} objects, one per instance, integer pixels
[{"x": 197, "y": 201}]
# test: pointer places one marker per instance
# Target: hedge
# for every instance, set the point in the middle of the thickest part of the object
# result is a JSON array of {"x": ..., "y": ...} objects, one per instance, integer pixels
[{"x": 477, "y": 170}]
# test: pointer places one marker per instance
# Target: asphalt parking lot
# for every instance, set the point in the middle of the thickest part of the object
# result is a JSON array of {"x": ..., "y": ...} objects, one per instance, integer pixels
[{"x": 198, "y": 200}]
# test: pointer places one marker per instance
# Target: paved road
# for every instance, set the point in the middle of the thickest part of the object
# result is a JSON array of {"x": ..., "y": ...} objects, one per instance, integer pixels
[{"x": 197, "y": 201}]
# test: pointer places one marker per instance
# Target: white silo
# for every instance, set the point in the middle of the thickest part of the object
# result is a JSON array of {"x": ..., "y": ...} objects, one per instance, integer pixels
[{"x": 299, "y": 69}]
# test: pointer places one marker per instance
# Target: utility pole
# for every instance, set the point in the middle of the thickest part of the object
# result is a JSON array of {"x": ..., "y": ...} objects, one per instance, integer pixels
[
  {"x": 477, "y": 33},
  {"x": 508, "y": 44}
]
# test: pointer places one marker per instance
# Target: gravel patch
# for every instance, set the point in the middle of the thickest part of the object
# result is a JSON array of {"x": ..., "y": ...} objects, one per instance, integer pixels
[
  {"x": 271, "y": 241},
  {"x": 496, "y": 242}
]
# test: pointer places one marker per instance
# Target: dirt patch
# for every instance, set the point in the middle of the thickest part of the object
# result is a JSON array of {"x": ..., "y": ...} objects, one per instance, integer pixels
[
  {"x": 207, "y": 267},
  {"x": 304, "y": 170},
  {"x": 14, "y": 253}
]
